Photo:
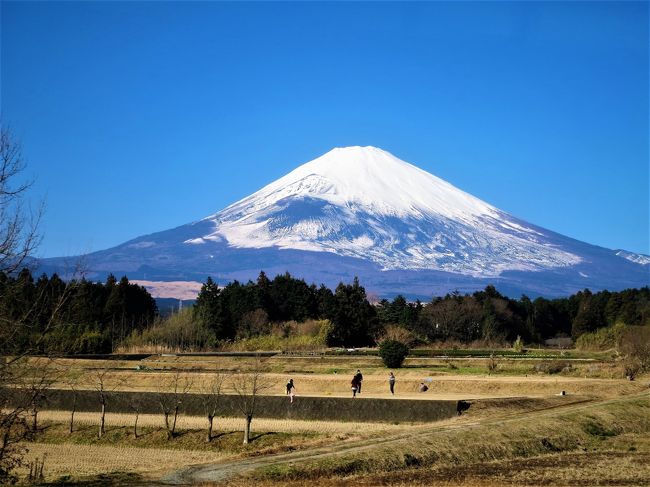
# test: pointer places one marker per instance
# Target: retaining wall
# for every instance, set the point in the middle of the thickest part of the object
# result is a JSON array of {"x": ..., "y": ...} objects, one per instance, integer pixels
[{"x": 278, "y": 407}]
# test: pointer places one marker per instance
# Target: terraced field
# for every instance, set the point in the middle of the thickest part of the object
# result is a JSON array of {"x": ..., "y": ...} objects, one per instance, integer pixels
[{"x": 515, "y": 418}]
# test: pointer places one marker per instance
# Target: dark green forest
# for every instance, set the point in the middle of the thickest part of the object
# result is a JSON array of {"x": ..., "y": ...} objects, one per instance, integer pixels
[
  {"x": 81, "y": 316},
  {"x": 49, "y": 315},
  {"x": 240, "y": 310}
]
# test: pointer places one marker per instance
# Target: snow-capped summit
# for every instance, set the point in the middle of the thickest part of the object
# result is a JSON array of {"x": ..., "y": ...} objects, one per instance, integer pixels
[
  {"x": 364, "y": 202},
  {"x": 374, "y": 179}
]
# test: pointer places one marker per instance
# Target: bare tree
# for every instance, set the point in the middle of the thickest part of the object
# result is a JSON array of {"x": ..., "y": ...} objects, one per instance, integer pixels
[
  {"x": 40, "y": 380},
  {"x": 104, "y": 387},
  {"x": 248, "y": 385},
  {"x": 634, "y": 346},
  {"x": 20, "y": 389},
  {"x": 23, "y": 380},
  {"x": 171, "y": 395},
  {"x": 211, "y": 390},
  {"x": 72, "y": 382},
  {"x": 15, "y": 408},
  {"x": 19, "y": 235},
  {"x": 136, "y": 403},
  {"x": 99, "y": 383}
]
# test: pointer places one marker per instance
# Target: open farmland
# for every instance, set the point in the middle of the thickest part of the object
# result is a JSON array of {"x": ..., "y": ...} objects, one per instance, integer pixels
[
  {"x": 329, "y": 375},
  {"x": 513, "y": 411}
]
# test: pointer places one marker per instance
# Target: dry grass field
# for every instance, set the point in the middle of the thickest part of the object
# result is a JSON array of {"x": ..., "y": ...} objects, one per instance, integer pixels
[
  {"x": 85, "y": 419},
  {"x": 602, "y": 443},
  {"x": 598, "y": 434},
  {"x": 70, "y": 462},
  {"x": 330, "y": 375}
]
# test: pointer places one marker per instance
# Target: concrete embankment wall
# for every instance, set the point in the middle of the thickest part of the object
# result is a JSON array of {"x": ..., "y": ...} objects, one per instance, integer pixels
[{"x": 278, "y": 407}]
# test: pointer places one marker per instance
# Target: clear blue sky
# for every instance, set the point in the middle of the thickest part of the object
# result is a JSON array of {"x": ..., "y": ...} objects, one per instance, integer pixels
[{"x": 138, "y": 117}]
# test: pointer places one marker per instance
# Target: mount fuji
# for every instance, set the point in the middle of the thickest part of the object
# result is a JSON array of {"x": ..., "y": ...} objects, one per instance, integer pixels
[{"x": 360, "y": 211}]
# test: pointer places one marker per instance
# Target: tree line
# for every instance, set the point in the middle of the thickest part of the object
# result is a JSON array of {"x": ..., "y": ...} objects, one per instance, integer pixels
[
  {"x": 488, "y": 315},
  {"x": 74, "y": 317},
  {"x": 95, "y": 317},
  {"x": 243, "y": 310}
]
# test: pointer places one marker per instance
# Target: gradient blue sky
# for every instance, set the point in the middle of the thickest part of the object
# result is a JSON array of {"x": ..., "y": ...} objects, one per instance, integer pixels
[{"x": 138, "y": 117}]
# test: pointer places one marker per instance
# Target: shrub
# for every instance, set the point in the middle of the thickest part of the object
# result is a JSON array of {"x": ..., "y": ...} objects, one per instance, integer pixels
[
  {"x": 553, "y": 367},
  {"x": 399, "y": 334},
  {"x": 634, "y": 346},
  {"x": 602, "y": 339},
  {"x": 287, "y": 336},
  {"x": 74, "y": 339},
  {"x": 518, "y": 346},
  {"x": 594, "y": 428},
  {"x": 180, "y": 331},
  {"x": 411, "y": 460},
  {"x": 393, "y": 353},
  {"x": 324, "y": 330}
]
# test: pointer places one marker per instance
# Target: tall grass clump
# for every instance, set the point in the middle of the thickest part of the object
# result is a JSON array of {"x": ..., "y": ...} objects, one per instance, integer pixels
[
  {"x": 309, "y": 335},
  {"x": 179, "y": 332},
  {"x": 399, "y": 334},
  {"x": 602, "y": 339}
]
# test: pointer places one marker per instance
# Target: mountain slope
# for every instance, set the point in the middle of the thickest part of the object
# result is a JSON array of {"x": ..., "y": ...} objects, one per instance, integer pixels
[
  {"x": 362, "y": 211},
  {"x": 363, "y": 202}
]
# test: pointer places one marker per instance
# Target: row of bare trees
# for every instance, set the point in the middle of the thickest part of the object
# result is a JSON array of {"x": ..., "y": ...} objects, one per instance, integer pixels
[
  {"x": 246, "y": 386},
  {"x": 174, "y": 392}
]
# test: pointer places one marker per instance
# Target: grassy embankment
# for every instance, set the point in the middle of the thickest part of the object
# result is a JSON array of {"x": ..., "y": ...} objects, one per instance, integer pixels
[{"x": 603, "y": 444}]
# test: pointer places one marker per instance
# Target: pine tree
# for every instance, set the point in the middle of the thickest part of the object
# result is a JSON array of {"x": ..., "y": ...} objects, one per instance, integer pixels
[
  {"x": 209, "y": 309},
  {"x": 354, "y": 321}
]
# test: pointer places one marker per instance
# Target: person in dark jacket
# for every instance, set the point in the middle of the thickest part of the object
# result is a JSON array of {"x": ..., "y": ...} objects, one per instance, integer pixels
[
  {"x": 355, "y": 386},
  {"x": 291, "y": 390},
  {"x": 359, "y": 379}
]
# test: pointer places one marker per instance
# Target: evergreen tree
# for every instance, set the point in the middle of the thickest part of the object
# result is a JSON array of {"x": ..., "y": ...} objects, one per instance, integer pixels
[
  {"x": 209, "y": 309},
  {"x": 325, "y": 302},
  {"x": 353, "y": 321}
]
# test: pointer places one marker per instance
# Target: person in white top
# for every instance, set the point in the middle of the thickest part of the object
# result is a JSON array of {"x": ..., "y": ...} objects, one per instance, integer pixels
[{"x": 391, "y": 382}]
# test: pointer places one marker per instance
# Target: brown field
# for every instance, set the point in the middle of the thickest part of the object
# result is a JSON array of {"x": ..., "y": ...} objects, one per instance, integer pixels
[
  {"x": 227, "y": 424},
  {"x": 585, "y": 469},
  {"x": 598, "y": 435},
  {"x": 81, "y": 461},
  {"x": 330, "y": 376}
]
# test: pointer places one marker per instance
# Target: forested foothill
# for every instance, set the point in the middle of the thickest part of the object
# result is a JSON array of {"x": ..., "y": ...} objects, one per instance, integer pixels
[{"x": 94, "y": 317}]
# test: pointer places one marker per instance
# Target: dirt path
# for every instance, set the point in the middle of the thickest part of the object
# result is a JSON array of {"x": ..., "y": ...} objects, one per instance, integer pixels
[{"x": 220, "y": 472}]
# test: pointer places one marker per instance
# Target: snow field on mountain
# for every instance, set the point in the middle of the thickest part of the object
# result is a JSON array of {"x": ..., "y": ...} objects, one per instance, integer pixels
[{"x": 364, "y": 202}]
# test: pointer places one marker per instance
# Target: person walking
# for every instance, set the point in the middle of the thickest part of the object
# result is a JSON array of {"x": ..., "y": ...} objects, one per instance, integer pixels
[
  {"x": 391, "y": 382},
  {"x": 359, "y": 378},
  {"x": 355, "y": 386},
  {"x": 291, "y": 390}
]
